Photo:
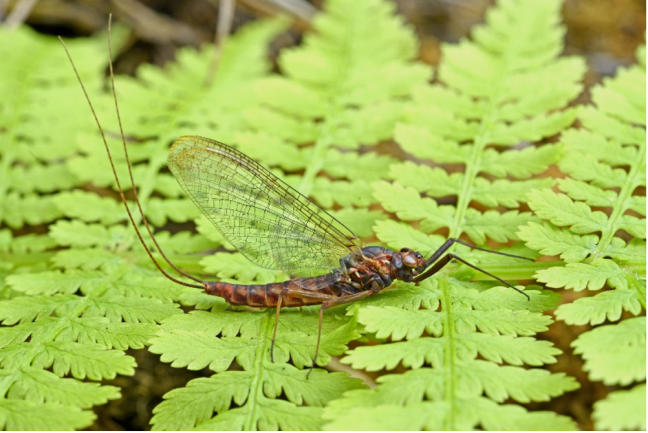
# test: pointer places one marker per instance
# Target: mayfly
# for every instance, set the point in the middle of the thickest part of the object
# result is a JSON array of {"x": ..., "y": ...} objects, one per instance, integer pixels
[{"x": 276, "y": 227}]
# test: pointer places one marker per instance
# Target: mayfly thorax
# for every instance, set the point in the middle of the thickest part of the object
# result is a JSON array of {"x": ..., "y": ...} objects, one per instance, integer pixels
[{"x": 276, "y": 227}]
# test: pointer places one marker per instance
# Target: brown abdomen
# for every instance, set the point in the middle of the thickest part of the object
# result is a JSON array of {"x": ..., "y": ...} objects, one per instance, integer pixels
[{"x": 267, "y": 295}]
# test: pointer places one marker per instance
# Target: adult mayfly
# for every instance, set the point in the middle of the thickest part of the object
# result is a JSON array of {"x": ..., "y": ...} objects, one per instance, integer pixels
[{"x": 276, "y": 227}]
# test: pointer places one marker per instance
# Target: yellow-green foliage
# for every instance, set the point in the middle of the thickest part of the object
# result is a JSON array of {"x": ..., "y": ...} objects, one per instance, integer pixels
[
  {"x": 591, "y": 242},
  {"x": 76, "y": 297}
]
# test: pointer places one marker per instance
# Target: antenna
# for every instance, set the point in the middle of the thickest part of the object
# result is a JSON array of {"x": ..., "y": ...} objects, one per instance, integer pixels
[{"x": 112, "y": 165}]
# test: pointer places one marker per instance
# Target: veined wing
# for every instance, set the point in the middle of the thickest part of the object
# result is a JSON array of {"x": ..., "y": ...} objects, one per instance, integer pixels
[{"x": 269, "y": 222}]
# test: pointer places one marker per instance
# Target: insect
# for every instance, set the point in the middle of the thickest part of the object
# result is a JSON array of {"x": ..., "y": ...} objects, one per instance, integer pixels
[{"x": 276, "y": 227}]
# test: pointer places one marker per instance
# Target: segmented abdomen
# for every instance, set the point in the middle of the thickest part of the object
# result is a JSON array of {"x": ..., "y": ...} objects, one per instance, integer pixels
[{"x": 267, "y": 295}]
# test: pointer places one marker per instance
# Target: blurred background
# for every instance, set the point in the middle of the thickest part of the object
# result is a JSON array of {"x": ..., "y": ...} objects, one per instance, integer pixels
[{"x": 605, "y": 32}]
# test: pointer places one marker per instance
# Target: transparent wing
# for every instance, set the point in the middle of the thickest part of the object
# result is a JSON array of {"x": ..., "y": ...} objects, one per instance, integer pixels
[{"x": 269, "y": 222}]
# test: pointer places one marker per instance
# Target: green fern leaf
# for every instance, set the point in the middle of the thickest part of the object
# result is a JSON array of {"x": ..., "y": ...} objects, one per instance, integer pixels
[
  {"x": 413, "y": 353},
  {"x": 615, "y": 354},
  {"x": 72, "y": 300},
  {"x": 226, "y": 266},
  {"x": 215, "y": 394},
  {"x": 189, "y": 340},
  {"x": 360, "y": 221},
  {"x": 29, "y": 209},
  {"x": 622, "y": 410},
  {"x": 409, "y": 206},
  {"x": 579, "y": 276},
  {"x": 266, "y": 414},
  {"x": 409, "y": 388},
  {"x": 76, "y": 233},
  {"x": 591, "y": 158},
  {"x": 86, "y": 259},
  {"x": 485, "y": 103},
  {"x": 606, "y": 164},
  {"x": 83, "y": 360},
  {"x": 27, "y": 309},
  {"x": 27, "y": 415},
  {"x": 34, "y": 81},
  {"x": 105, "y": 301},
  {"x": 552, "y": 241},
  {"x": 345, "y": 86},
  {"x": 345, "y": 193},
  {"x": 598, "y": 309},
  {"x": 49, "y": 283},
  {"x": 109, "y": 334},
  {"x": 90, "y": 207},
  {"x": 183, "y": 242},
  {"x": 44, "y": 386},
  {"x": 434, "y": 415},
  {"x": 30, "y": 243},
  {"x": 562, "y": 211}
]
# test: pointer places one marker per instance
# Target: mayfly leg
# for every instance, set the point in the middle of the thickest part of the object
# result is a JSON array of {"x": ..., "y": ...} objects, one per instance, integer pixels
[
  {"x": 332, "y": 301},
  {"x": 307, "y": 296},
  {"x": 327, "y": 301}
]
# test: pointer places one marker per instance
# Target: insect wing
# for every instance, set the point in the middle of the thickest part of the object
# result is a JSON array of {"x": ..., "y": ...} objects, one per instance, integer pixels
[{"x": 269, "y": 222}]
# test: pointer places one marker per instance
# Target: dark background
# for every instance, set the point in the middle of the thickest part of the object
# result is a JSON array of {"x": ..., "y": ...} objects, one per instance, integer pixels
[{"x": 605, "y": 32}]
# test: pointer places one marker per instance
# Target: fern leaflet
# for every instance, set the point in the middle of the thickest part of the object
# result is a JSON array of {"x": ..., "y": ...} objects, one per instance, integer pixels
[
  {"x": 33, "y": 82},
  {"x": 606, "y": 163},
  {"x": 486, "y": 102}
]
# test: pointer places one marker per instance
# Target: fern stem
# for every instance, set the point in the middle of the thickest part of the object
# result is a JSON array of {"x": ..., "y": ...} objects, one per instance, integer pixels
[
  {"x": 256, "y": 386},
  {"x": 449, "y": 353},
  {"x": 156, "y": 162},
  {"x": 472, "y": 169},
  {"x": 479, "y": 144},
  {"x": 632, "y": 181},
  {"x": 335, "y": 109},
  {"x": 316, "y": 164}
]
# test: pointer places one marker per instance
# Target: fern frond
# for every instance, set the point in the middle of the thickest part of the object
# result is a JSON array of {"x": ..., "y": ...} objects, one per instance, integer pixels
[
  {"x": 226, "y": 265},
  {"x": 75, "y": 323},
  {"x": 33, "y": 82},
  {"x": 182, "y": 104},
  {"x": 80, "y": 293},
  {"x": 615, "y": 354},
  {"x": 433, "y": 416},
  {"x": 344, "y": 87},
  {"x": 78, "y": 335},
  {"x": 622, "y": 409},
  {"x": 297, "y": 111},
  {"x": 189, "y": 341},
  {"x": 18, "y": 414},
  {"x": 116, "y": 286},
  {"x": 360, "y": 221},
  {"x": 606, "y": 163},
  {"x": 485, "y": 102}
]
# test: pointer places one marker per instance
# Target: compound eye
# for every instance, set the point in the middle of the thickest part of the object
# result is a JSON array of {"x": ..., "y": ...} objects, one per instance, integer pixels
[{"x": 409, "y": 261}]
